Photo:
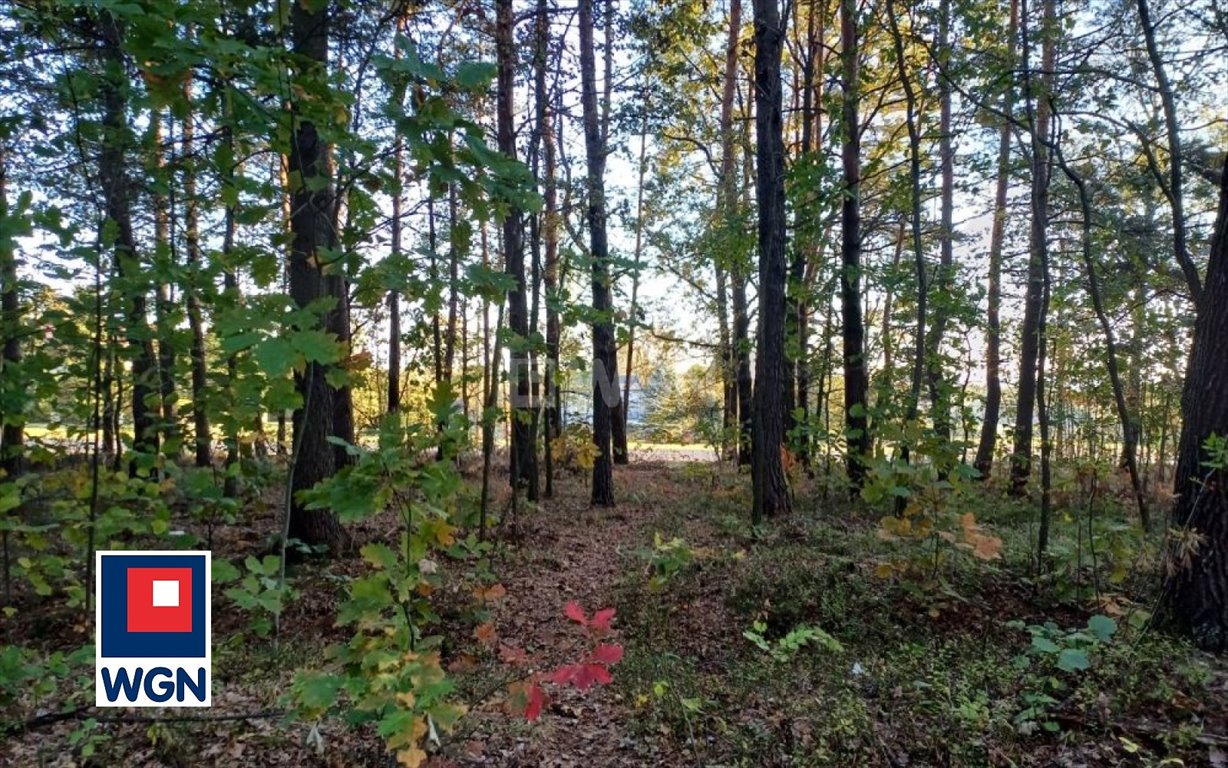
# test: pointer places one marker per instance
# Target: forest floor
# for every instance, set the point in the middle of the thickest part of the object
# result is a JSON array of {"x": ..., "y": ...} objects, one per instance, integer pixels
[{"x": 719, "y": 668}]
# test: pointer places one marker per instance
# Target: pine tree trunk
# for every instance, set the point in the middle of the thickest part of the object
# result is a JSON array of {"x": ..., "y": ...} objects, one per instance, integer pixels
[
  {"x": 939, "y": 388},
  {"x": 311, "y": 223},
  {"x": 164, "y": 308},
  {"x": 195, "y": 264},
  {"x": 523, "y": 453},
  {"x": 1038, "y": 121},
  {"x": 605, "y": 360},
  {"x": 728, "y": 204},
  {"x": 997, "y": 240},
  {"x": 394, "y": 297},
  {"x": 770, "y": 487},
  {"x": 1198, "y": 599},
  {"x": 12, "y": 436},
  {"x": 117, "y": 201},
  {"x": 856, "y": 380}
]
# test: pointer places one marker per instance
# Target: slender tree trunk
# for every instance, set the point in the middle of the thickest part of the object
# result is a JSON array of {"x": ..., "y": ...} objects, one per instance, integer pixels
[
  {"x": 12, "y": 455},
  {"x": 309, "y": 167},
  {"x": 637, "y": 255},
  {"x": 728, "y": 205},
  {"x": 195, "y": 264},
  {"x": 457, "y": 244},
  {"x": 164, "y": 250},
  {"x": 1198, "y": 597},
  {"x": 231, "y": 296},
  {"x": 550, "y": 269},
  {"x": 1173, "y": 190},
  {"x": 939, "y": 388},
  {"x": 394, "y": 296},
  {"x": 856, "y": 381},
  {"x": 1042, "y": 407},
  {"x": 605, "y": 361},
  {"x": 523, "y": 454},
  {"x": 997, "y": 239},
  {"x": 770, "y": 487},
  {"x": 117, "y": 189},
  {"x": 1110, "y": 341},
  {"x": 920, "y": 268},
  {"x": 1038, "y": 121}
]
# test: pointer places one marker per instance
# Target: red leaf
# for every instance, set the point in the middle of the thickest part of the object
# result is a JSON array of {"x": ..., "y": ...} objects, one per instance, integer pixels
[
  {"x": 607, "y": 653},
  {"x": 575, "y": 613},
  {"x": 536, "y": 701},
  {"x": 587, "y": 674},
  {"x": 565, "y": 674},
  {"x": 602, "y": 618}
]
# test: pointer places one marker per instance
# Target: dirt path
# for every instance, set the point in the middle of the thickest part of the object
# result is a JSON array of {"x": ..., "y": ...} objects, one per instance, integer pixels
[{"x": 570, "y": 552}]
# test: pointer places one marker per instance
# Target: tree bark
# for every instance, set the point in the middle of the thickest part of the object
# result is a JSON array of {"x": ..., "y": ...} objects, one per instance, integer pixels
[
  {"x": 1110, "y": 341},
  {"x": 191, "y": 236},
  {"x": 770, "y": 487},
  {"x": 12, "y": 432},
  {"x": 1173, "y": 190},
  {"x": 1038, "y": 123},
  {"x": 939, "y": 388},
  {"x": 523, "y": 455},
  {"x": 856, "y": 381},
  {"x": 311, "y": 222},
  {"x": 116, "y": 189},
  {"x": 997, "y": 239},
  {"x": 1198, "y": 599},
  {"x": 605, "y": 360},
  {"x": 728, "y": 207}
]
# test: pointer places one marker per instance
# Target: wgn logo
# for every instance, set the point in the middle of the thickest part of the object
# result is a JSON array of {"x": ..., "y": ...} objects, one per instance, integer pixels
[{"x": 153, "y": 629}]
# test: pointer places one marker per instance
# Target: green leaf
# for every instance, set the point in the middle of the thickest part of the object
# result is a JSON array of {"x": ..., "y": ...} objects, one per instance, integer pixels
[
  {"x": 1044, "y": 645},
  {"x": 224, "y": 572},
  {"x": 379, "y": 555},
  {"x": 473, "y": 75},
  {"x": 1102, "y": 627},
  {"x": 1072, "y": 660},
  {"x": 316, "y": 692},
  {"x": 276, "y": 357},
  {"x": 317, "y": 346}
]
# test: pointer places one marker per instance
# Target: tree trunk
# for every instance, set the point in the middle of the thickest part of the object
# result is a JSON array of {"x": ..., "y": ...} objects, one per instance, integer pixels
[
  {"x": 770, "y": 487},
  {"x": 637, "y": 254},
  {"x": 11, "y": 434},
  {"x": 394, "y": 296},
  {"x": 939, "y": 388},
  {"x": 550, "y": 269},
  {"x": 1173, "y": 190},
  {"x": 116, "y": 190},
  {"x": 605, "y": 360},
  {"x": 728, "y": 205},
  {"x": 1198, "y": 600},
  {"x": 919, "y": 266},
  {"x": 311, "y": 221},
  {"x": 164, "y": 249},
  {"x": 195, "y": 264},
  {"x": 856, "y": 381},
  {"x": 1110, "y": 341},
  {"x": 1038, "y": 123},
  {"x": 997, "y": 239},
  {"x": 523, "y": 454}
]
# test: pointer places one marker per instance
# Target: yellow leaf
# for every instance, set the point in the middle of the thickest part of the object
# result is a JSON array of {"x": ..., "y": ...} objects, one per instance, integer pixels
[
  {"x": 411, "y": 758},
  {"x": 884, "y": 570}
]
